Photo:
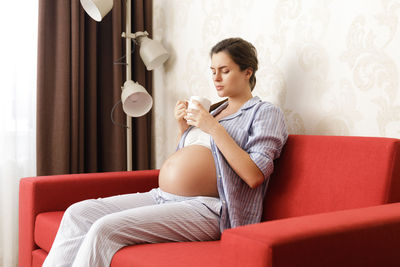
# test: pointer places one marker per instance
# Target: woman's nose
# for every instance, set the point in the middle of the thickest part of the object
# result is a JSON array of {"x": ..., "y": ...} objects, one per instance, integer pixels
[{"x": 217, "y": 76}]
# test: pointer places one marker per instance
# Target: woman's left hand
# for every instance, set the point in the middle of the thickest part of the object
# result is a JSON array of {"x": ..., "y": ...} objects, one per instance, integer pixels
[{"x": 201, "y": 118}]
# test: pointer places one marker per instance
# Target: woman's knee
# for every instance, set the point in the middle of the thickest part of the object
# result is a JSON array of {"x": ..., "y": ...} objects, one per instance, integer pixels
[
  {"x": 105, "y": 228},
  {"x": 79, "y": 210}
]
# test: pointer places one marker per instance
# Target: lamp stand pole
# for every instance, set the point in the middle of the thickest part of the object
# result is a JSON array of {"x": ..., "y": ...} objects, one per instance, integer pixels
[
  {"x": 152, "y": 55},
  {"x": 128, "y": 47}
]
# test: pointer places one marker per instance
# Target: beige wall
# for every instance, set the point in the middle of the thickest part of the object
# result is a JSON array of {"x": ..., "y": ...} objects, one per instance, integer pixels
[{"x": 332, "y": 66}]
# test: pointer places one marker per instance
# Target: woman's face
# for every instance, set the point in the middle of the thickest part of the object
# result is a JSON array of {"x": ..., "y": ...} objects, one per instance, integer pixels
[{"x": 228, "y": 79}]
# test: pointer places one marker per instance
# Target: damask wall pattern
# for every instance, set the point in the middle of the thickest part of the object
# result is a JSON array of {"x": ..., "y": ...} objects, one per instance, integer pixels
[{"x": 332, "y": 66}]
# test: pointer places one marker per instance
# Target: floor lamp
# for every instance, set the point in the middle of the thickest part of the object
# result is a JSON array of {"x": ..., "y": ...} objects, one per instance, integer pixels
[{"x": 136, "y": 101}]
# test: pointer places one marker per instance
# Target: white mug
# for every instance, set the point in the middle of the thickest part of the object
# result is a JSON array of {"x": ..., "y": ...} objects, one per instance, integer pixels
[{"x": 202, "y": 100}]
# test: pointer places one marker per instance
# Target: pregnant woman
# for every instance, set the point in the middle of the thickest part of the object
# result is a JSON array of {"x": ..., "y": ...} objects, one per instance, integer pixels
[{"x": 215, "y": 180}]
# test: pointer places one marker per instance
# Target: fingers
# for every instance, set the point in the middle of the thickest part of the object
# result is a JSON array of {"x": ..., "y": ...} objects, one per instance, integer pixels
[
  {"x": 194, "y": 114},
  {"x": 180, "y": 114},
  {"x": 180, "y": 109},
  {"x": 181, "y": 103},
  {"x": 190, "y": 115}
]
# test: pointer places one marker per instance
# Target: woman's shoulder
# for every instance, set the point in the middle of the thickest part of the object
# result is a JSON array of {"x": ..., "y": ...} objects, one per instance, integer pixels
[
  {"x": 265, "y": 106},
  {"x": 269, "y": 115}
]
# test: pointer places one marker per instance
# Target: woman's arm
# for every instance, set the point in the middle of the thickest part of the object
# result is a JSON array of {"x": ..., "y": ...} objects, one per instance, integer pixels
[
  {"x": 180, "y": 113},
  {"x": 237, "y": 158},
  {"x": 254, "y": 162}
]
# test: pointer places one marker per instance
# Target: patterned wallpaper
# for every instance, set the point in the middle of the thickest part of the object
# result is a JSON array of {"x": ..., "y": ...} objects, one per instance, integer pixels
[{"x": 332, "y": 66}]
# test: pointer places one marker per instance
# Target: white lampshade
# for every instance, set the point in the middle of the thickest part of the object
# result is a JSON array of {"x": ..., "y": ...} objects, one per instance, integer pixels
[
  {"x": 136, "y": 101},
  {"x": 152, "y": 52},
  {"x": 97, "y": 9}
]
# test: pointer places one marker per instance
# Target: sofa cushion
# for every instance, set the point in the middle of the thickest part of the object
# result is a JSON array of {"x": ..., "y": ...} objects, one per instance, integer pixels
[
  {"x": 38, "y": 257},
  {"x": 194, "y": 254},
  {"x": 163, "y": 254},
  {"x": 46, "y": 227}
]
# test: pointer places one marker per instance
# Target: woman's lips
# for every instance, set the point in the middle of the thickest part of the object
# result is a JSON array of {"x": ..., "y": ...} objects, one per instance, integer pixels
[{"x": 219, "y": 87}]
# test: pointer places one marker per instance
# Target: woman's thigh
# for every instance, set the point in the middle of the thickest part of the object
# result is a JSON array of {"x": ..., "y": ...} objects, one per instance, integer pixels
[
  {"x": 168, "y": 222},
  {"x": 127, "y": 201},
  {"x": 88, "y": 211}
]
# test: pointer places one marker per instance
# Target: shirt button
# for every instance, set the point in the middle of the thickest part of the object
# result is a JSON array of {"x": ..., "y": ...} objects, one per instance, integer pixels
[{"x": 223, "y": 202}]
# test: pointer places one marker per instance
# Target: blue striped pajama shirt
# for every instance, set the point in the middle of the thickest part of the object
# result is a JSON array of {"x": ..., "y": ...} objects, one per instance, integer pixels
[{"x": 258, "y": 128}]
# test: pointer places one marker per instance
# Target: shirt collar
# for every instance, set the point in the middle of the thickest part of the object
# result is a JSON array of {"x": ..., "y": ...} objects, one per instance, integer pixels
[{"x": 250, "y": 103}]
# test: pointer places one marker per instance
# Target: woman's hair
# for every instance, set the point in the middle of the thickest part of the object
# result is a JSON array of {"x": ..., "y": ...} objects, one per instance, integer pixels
[{"x": 243, "y": 53}]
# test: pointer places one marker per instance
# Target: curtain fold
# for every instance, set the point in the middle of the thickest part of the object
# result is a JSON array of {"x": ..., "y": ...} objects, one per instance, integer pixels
[{"x": 78, "y": 84}]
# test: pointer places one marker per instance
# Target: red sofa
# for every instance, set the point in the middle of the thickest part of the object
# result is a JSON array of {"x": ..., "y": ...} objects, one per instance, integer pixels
[{"x": 332, "y": 201}]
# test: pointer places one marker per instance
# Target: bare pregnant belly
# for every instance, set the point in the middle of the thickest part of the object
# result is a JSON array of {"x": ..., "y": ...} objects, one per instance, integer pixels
[{"x": 190, "y": 171}]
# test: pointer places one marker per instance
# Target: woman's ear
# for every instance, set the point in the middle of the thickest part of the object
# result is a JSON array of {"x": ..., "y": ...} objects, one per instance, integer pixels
[{"x": 248, "y": 72}]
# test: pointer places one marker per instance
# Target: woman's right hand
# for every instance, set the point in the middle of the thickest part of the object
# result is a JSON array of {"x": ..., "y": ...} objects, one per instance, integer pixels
[{"x": 180, "y": 113}]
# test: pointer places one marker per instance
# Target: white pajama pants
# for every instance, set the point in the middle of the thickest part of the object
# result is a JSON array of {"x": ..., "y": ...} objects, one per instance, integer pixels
[{"x": 92, "y": 231}]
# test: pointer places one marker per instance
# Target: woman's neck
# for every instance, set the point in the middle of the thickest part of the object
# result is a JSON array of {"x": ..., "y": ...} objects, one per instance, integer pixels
[{"x": 235, "y": 103}]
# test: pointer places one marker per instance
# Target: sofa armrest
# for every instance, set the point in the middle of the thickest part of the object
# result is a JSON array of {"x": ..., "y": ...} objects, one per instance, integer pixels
[
  {"x": 359, "y": 237},
  {"x": 57, "y": 192}
]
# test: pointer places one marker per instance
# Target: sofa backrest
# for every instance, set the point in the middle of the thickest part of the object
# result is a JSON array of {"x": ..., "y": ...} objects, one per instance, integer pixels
[{"x": 318, "y": 174}]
